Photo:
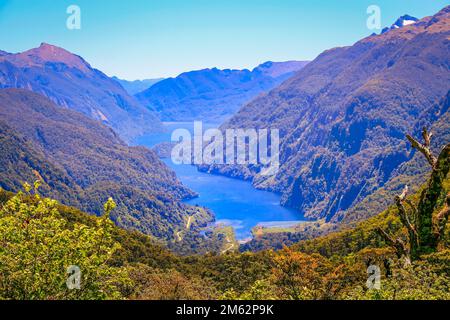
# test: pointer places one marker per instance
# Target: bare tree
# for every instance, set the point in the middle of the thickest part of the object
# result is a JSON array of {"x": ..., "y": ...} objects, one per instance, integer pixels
[{"x": 425, "y": 227}]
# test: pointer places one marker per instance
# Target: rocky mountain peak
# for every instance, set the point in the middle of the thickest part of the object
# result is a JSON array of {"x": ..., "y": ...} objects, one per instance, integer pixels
[
  {"x": 47, "y": 53},
  {"x": 403, "y": 21}
]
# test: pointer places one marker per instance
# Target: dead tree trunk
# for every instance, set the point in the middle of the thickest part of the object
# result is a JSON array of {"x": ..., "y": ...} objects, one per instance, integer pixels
[{"x": 425, "y": 229}]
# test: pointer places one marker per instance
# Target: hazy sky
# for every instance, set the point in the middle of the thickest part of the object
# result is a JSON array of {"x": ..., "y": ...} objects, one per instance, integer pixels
[{"x": 136, "y": 39}]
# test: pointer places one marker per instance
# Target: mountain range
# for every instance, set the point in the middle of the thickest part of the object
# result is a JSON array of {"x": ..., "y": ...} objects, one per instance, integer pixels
[
  {"x": 213, "y": 94},
  {"x": 66, "y": 124},
  {"x": 343, "y": 119},
  {"x": 70, "y": 82}
]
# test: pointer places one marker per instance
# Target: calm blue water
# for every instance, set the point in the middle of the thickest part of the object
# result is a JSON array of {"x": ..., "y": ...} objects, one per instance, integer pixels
[{"x": 233, "y": 201}]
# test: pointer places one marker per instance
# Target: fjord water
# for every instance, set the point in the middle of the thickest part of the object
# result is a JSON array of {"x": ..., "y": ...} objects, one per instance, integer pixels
[{"x": 234, "y": 202}]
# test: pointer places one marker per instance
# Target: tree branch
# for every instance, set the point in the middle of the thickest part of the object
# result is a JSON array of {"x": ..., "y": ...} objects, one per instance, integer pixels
[
  {"x": 404, "y": 193},
  {"x": 404, "y": 215},
  {"x": 424, "y": 148},
  {"x": 397, "y": 244},
  {"x": 426, "y": 137}
]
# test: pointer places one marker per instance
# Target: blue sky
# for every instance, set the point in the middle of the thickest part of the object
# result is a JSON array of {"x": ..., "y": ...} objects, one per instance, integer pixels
[{"x": 136, "y": 39}]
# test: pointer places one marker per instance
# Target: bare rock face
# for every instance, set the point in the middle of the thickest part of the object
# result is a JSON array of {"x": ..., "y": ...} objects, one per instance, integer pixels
[{"x": 344, "y": 117}]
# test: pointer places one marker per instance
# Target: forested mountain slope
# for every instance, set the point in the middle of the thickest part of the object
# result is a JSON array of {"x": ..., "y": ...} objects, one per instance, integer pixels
[
  {"x": 343, "y": 119},
  {"x": 21, "y": 162},
  {"x": 412, "y": 172},
  {"x": 84, "y": 162}
]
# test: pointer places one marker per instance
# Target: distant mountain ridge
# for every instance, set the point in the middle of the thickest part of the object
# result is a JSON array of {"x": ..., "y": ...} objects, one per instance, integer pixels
[
  {"x": 69, "y": 81},
  {"x": 343, "y": 119},
  {"x": 136, "y": 86},
  {"x": 280, "y": 70},
  {"x": 213, "y": 94}
]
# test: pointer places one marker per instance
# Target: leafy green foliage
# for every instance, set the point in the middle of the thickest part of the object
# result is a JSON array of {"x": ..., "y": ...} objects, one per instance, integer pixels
[
  {"x": 169, "y": 284},
  {"x": 330, "y": 267},
  {"x": 37, "y": 248},
  {"x": 415, "y": 282}
]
